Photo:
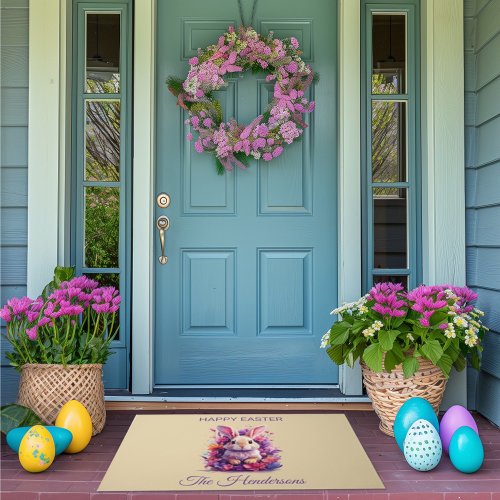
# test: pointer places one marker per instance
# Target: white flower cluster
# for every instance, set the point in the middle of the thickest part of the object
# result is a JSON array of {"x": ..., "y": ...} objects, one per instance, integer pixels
[
  {"x": 351, "y": 307},
  {"x": 450, "y": 294},
  {"x": 471, "y": 338},
  {"x": 450, "y": 331},
  {"x": 460, "y": 321},
  {"x": 325, "y": 339},
  {"x": 375, "y": 327},
  {"x": 191, "y": 85}
]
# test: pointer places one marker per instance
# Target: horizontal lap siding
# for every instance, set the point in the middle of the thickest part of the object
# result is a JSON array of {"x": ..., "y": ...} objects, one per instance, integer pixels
[
  {"x": 13, "y": 167},
  {"x": 482, "y": 141}
]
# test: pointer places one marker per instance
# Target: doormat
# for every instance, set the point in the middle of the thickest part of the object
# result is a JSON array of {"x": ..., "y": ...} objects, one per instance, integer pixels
[{"x": 240, "y": 452}]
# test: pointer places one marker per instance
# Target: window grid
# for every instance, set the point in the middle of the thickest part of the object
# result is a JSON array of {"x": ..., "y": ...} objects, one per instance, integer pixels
[
  {"x": 411, "y": 185},
  {"x": 80, "y": 184}
]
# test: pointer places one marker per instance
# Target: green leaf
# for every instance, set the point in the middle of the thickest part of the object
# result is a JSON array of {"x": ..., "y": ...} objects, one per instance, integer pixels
[
  {"x": 219, "y": 167},
  {"x": 387, "y": 338},
  {"x": 336, "y": 354},
  {"x": 358, "y": 326},
  {"x": 390, "y": 361},
  {"x": 373, "y": 357},
  {"x": 14, "y": 416},
  {"x": 397, "y": 322},
  {"x": 340, "y": 338},
  {"x": 432, "y": 350},
  {"x": 339, "y": 332},
  {"x": 410, "y": 366},
  {"x": 398, "y": 352},
  {"x": 61, "y": 274},
  {"x": 453, "y": 349},
  {"x": 460, "y": 363},
  {"x": 174, "y": 84},
  {"x": 438, "y": 317},
  {"x": 349, "y": 359},
  {"x": 445, "y": 363},
  {"x": 348, "y": 318},
  {"x": 475, "y": 360}
]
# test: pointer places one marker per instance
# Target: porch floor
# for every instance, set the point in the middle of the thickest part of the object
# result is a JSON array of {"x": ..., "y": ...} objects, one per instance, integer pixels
[{"x": 77, "y": 477}]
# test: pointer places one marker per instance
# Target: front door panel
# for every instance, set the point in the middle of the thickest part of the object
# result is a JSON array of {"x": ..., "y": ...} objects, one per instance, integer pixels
[{"x": 252, "y": 271}]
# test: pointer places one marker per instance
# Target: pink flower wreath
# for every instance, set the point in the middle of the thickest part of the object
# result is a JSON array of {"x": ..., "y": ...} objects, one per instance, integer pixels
[{"x": 265, "y": 137}]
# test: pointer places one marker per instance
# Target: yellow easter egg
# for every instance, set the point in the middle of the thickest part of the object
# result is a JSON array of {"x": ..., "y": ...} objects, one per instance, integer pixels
[
  {"x": 37, "y": 449},
  {"x": 75, "y": 417}
]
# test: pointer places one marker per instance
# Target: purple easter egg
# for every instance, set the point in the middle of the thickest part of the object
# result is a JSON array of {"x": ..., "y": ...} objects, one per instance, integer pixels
[{"x": 456, "y": 416}]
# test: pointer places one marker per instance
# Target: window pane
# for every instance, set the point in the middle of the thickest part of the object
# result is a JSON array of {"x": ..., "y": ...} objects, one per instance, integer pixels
[
  {"x": 102, "y": 140},
  {"x": 388, "y": 54},
  {"x": 103, "y": 53},
  {"x": 389, "y": 141},
  {"x": 390, "y": 228},
  {"x": 102, "y": 216},
  {"x": 110, "y": 279},
  {"x": 392, "y": 279}
]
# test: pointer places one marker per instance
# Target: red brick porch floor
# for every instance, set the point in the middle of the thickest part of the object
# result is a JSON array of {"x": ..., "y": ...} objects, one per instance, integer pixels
[{"x": 76, "y": 477}]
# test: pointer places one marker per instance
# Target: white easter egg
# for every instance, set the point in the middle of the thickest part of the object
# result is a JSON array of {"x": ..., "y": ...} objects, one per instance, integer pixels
[{"x": 422, "y": 446}]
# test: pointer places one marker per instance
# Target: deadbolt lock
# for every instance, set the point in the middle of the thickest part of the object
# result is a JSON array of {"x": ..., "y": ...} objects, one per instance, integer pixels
[{"x": 163, "y": 200}]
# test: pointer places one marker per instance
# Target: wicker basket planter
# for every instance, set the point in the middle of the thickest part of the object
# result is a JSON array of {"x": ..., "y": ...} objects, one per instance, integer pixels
[
  {"x": 46, "y": 388},
  {"x": 388, "y": 391}
]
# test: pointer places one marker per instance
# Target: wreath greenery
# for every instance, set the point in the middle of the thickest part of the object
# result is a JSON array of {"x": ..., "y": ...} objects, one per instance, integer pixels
[{"x": 266, "y": 136}]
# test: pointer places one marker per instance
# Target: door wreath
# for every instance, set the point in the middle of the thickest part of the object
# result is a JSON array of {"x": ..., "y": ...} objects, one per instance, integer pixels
[{"x": 267, "y": 135}]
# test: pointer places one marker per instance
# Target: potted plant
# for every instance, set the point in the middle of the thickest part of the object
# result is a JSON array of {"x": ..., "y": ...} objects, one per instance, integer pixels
[
  {"x": 60, "y": 342},
  {"x": 407, "y": 342}
]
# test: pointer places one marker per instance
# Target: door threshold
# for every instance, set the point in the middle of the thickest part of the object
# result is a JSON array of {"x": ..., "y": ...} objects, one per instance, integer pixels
[
  {"x": 238, "y": 395},
  {"x": 234, "y": 407}
]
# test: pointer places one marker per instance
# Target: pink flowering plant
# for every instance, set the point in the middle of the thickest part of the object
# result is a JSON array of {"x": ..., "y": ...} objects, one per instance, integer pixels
[
  {"x": 74, "y": 324},
  {"x": 266, "y": 136},
  {"x": 390, "y": 326}
]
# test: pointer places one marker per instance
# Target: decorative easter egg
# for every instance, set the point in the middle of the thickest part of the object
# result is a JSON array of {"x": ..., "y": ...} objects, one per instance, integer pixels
[
  {"x": 37, "y": 449},
  {"x": 15, "y": 436},
  {"x": 62, "y": 437},
  {"x": 466, "y": 450},
  {"x": 455, "y": 417},
  {"x": 75, "y": 418},
  {"x": 422, "y": 446},
  {"x": 412, "y": 410}
]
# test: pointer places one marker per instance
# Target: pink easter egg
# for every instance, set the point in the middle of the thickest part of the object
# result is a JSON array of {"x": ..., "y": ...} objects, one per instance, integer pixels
[{"x": 455, "y": 417}]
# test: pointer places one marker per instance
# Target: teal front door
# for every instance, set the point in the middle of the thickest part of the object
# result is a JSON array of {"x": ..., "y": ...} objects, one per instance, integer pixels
[{"x": 251, "y": 277}]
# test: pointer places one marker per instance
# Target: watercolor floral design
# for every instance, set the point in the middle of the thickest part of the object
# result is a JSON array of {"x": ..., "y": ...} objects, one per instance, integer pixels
[
  {"x": 249, "y": 449},
  {"x": 390, "y": 326},
  {"x": 267, "y": 135}
]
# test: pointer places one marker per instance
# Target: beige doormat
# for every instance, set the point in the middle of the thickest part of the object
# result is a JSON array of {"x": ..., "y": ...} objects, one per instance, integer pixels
[{"x": 240, "y": 452}]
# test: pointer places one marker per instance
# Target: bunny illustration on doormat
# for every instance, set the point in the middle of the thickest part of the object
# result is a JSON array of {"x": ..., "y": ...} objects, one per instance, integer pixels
[{"x": 249, "y": 449}]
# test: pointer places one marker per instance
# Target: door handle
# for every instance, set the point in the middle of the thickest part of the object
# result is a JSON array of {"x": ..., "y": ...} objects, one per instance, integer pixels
[{"x": 162, "y": 224}]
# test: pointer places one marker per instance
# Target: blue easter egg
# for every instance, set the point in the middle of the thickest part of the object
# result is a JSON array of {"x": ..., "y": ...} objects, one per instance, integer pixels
[
  {"x": 14, "y": 437},
  {"x": 62, "y": 437},
  {"x": 466, "y": 450},
  {"x": 412, "y": 410}
]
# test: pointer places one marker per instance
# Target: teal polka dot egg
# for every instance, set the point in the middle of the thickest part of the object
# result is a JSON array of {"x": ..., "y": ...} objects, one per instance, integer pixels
[{"x": 422, "y": 446}]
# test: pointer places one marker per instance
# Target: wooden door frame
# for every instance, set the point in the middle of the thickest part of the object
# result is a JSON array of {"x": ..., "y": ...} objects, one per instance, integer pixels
[{"x": 349, "y": 261}]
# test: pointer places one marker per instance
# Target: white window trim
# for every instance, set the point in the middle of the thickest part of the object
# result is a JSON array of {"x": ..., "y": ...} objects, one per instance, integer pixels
[{"x": 442, "y": 142}]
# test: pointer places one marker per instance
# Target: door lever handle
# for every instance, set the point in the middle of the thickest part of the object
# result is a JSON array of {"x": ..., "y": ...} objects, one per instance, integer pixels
[{"x": 162, "y": 224}]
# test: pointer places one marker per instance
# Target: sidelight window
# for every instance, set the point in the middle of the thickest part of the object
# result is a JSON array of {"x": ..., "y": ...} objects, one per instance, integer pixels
[
  {"x": 391, "y": 160},
  {"x": 101, "y": 158}
]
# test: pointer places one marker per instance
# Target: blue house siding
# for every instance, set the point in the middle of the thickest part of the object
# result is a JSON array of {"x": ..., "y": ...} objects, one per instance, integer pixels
[
  {"x": 482, "y": 114},
  {"x": 13, "y": 166}
]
